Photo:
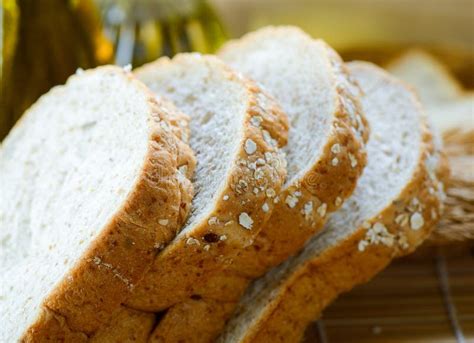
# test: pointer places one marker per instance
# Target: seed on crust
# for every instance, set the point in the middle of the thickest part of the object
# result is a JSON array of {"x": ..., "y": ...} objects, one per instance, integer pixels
[
  {"x": 245, "y": 221},
  {"x": 353, "y": 160},
  {"x": 416, "y": 221},
  {"x": 322, "y": 210},
  {"x": 250, "y": 146},
  {"x": 291, "y": 201}
]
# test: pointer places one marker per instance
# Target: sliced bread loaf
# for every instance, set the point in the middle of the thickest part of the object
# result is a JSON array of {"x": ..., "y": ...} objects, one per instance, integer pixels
[
  {"x": 328, "y": 130},
  {"x": 236, "y": 132},
  {"x": 392, "y": 210},
  {"x": 90, "y": 189},
  {"x": 325, "y": 158}
]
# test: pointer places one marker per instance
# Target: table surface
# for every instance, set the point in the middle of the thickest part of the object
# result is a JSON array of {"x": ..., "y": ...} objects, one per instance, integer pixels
[{"x": 427, "y": 298}]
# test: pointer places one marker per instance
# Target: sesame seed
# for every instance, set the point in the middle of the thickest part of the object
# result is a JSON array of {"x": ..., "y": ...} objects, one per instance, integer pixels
[
  {"x": 192, "y": 241},
  {"x": 362, "y": 245},
  {"x": 250, "y": 146},
  {"x": 338, "y": 201},
  {"x": 353, "y": 160},
  {"x": 335, "y": 161},
  {"x": 270, "y": 192},
  {"x": 225, "y": 197},
  {"x": 291, "y": 201},
  {"x": 416, "y": 221},
  {"x": 265, "y": 207},
  {"x": 256, "y": 121},
  {"x": 322, "y": 210},
  {"x": 336, "y": 148},
  {"x": 245, "y": 221},
  {"x": 223, "y": 238},
  {"x": 276, "y": 200},
  {"x": 163, "y": 222},
  {"x": 213, "y": 221},
  {"x": 401, "y": 219},
  {"x": 207, "y": 247}
]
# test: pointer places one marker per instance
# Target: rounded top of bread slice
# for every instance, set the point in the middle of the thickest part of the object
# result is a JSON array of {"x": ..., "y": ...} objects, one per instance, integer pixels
[
  {"x": 90, "y": 187},
  {"x": 302, "y": 74},
  {"x": 236, "y": 132},
  {"x": 393, "y": 205}
]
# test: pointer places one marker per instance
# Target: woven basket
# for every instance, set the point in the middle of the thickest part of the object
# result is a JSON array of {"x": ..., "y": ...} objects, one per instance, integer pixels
[{"x": 457, "y": 223}]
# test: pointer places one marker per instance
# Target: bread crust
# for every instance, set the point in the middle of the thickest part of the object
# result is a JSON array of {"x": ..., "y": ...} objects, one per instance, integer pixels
[
  {"x": 127, "y": 326},
  {"x": 304, "y": 292},
  {"x": 124, "y": 249}
]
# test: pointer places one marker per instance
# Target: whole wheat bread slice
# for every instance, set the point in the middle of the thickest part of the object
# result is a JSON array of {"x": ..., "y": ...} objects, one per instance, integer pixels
[
  {"x": 325, "y": 156},
  {"x": 395, "y": 204},
  {"x": 236, "y": 131},
  {"x": 91, "y": 188}
]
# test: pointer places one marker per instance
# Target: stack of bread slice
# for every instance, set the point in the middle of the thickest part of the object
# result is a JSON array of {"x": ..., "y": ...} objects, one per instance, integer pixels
[{"x": 294, "y": 199}]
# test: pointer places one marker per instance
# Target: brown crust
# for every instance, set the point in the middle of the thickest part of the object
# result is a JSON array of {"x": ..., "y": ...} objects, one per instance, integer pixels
[
  {"x": 190, "y": 316},
  {"x": 212, "y": 243},
  {"x": 312, "y": 285},
  {"x": 124, "y": 250},
  {"x": 127, "y": 326}
]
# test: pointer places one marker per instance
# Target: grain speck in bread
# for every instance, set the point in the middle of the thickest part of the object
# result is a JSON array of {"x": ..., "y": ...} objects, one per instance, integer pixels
[
  {"x": 87, "y": 175},
  {"x": 391, "y": 212}
]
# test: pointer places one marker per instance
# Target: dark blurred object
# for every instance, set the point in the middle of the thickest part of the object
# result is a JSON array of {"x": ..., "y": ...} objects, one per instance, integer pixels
[
  {"x": 143, "y": 30},
  {"x": 44, "y": 42}
]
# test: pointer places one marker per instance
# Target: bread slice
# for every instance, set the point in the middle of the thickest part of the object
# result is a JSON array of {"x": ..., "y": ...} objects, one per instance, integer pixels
[
  {"x": 325, "y": 158},
  {"x": 236, "y": 131},
  {"x": 432, "y": 80},
  {"x": 447, "y": 104},
  {"x": 391, "y": 211},
  {"x": 90, "y": 188}
]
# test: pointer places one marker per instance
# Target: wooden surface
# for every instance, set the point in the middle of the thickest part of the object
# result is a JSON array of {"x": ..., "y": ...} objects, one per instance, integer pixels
[{"x": 408, "y": 302}]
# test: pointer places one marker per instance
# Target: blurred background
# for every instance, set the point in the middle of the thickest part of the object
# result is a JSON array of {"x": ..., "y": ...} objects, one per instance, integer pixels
[
  {"x": 428, "y": 297},
  {"x": 45, "y": 41}
]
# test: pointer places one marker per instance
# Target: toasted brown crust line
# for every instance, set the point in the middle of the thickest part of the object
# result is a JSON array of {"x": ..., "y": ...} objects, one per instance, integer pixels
[{"x": 105, "y": 274}]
